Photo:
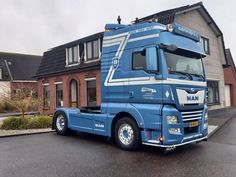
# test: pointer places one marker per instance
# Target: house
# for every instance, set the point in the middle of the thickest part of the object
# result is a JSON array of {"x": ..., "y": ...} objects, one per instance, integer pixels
[
  {"x": 69, "y": 75},
  {"x": 230, "y": 80},
  {"x": 197, "y": 17},
  {"x": 16, "y": 73}
]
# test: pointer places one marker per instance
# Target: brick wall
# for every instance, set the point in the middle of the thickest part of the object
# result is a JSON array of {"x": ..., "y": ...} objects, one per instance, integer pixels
[
  {"x": 66, "y": 79},
  {"x": 230, "y": 79}
]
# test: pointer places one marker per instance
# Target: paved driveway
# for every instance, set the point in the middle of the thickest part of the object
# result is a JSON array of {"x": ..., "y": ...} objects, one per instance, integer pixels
[{"x": 50, "y": 155}]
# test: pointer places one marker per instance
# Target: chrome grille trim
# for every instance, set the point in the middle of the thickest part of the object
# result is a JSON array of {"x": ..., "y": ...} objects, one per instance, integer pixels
[{"x": 192, "y": 115}]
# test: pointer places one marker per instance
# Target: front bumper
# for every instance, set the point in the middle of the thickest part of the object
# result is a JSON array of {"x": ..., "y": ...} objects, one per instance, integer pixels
[
  {"x": 187, "y": 131},
  {"x": 158, "y": 143}
]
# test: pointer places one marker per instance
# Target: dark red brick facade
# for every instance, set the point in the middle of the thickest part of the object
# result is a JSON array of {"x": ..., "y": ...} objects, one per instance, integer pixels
[
  {"x": 230, "y": 79},
  {"x": 66, "y": 79}
]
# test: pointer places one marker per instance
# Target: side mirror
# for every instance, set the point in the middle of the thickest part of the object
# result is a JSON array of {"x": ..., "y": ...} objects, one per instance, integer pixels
[{"x": 151, "y": 61}]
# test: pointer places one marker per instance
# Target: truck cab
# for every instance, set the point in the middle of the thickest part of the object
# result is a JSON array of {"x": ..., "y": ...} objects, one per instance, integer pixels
[{"x": 153, "y": 88}]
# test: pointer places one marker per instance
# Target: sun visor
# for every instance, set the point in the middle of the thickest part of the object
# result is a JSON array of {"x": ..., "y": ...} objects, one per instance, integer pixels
[{"x": 181, "y": 42}]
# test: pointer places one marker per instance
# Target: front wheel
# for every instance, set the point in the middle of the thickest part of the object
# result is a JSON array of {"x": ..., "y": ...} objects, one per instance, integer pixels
[
  {"x": 61, "y": 124},
  {"x": 127, "y": 134}
]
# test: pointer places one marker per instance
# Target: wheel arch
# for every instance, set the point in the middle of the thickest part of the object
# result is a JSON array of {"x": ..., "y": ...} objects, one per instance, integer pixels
[
  {"x": 118, "y": 117},
  {"x": 55, "y": 115}
]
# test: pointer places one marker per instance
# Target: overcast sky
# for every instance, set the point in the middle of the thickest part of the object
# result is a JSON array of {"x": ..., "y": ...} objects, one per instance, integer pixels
[{"x": 34, "y": 26}]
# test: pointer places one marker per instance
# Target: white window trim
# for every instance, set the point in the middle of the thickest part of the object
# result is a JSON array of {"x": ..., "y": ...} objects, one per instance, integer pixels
[
  {"x": 85, "y": 52},
  {"x": 45, "y": 84},
  {"x": 90, "y": 79},
  {"x": 78, "y": 59},
  {"x": 56, "y": 83}
]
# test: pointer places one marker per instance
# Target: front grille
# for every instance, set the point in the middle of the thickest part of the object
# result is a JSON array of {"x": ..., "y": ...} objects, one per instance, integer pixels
[{"x": 191, "y": 115}]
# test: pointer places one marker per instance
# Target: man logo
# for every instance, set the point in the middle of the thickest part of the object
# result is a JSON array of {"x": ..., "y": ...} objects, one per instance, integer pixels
[{"x": 192, "y": 98}]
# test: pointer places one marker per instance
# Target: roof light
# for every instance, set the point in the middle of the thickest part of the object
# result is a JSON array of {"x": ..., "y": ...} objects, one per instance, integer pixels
[{"x": 169, "y": 27}]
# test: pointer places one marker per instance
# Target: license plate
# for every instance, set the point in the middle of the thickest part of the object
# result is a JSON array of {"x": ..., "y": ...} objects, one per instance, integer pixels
[{"x": 193, "y": 124}]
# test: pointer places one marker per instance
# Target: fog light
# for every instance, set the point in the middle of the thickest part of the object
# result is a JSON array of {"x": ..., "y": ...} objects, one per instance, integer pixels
[
  {"x": 172, "y": 119},
  {"x": 205, "y": 126},
  {"x": 174, "y": 130}
]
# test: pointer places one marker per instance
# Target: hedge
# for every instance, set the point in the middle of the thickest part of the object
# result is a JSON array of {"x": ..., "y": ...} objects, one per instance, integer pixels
[{"x": 28, "y": 122}]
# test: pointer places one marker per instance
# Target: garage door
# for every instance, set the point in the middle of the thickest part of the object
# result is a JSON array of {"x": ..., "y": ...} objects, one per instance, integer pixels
[{"x": 227, "y": 95}]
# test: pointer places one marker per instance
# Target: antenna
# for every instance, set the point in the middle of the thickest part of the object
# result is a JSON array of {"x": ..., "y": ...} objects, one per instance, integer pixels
[{"x": 119, "y": 19}]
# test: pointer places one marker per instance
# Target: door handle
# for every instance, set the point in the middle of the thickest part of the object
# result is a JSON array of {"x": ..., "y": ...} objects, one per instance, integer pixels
[{"x": 131, "y": 94}]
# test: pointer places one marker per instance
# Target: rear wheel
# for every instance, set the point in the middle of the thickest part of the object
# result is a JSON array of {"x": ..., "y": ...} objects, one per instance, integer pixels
[
  {"x": 127, "y": 134},
  {"x": 61, "y": 124}
]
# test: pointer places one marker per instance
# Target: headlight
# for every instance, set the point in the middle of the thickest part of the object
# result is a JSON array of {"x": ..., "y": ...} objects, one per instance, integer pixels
[
  {"x": 172, "y": 119},
  {"x": 205, "y": 125},
  {"x": 206, "y": 116}
]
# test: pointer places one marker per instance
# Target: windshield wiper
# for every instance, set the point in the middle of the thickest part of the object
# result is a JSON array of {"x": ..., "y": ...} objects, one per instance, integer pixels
[
  {"x": 183, "y": 73},
  {"x": 199, "y": 75}
]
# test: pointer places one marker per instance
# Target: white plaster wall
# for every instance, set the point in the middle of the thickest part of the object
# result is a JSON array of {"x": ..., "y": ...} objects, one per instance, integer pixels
[
  {"x": 213, "y": 62},
  {"x": 5, "y": 89}
]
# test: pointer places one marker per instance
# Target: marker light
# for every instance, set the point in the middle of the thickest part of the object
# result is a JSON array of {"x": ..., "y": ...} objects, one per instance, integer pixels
[
  {"x": 161, "y": 139},
  {"x": 206, "y": 116},
  {"x": 170, "y": 28}
]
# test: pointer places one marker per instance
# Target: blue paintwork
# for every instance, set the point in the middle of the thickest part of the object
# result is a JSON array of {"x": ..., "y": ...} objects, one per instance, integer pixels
[{"x": 146, "y": 103}]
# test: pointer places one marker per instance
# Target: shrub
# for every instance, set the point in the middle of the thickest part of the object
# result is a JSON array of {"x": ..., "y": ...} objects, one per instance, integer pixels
[
  {"x": 5, "y": 107},
  {"x": 28, "y": 122}
]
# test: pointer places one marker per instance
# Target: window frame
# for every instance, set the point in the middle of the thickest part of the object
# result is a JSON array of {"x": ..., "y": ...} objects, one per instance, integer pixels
[
  {"x": 93, "y": 58},
  {"x": 56, "y": 95},
  {"x": 75, "y": 60},
  {"x": 203, "y": 40},
  {"x": 214, "y": 84},
  {"x": 87, "y": 80},
  {"x": 44, "y": 96},
  {"x": 135, "y": 52}
]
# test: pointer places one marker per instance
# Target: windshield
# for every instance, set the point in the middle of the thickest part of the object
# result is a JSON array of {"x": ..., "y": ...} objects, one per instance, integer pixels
[{"x": 184, "y": 62}]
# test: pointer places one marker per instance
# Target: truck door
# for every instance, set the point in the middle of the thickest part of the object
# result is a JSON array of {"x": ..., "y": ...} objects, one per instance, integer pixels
[{"x": 145, "y": 83}]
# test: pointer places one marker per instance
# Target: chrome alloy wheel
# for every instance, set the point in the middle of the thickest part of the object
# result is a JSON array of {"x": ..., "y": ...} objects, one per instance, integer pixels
[
  {"x": 126, "y": 134},
  {"x": 60, "y": 122}
]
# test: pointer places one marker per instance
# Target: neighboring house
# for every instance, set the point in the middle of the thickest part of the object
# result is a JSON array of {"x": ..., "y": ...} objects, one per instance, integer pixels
[
  {"x": 69, "y": 75},
  {"x": 16, "y": 73},
  {"x": 196, "y": 17},
  {"x": 230, "y": 80}
]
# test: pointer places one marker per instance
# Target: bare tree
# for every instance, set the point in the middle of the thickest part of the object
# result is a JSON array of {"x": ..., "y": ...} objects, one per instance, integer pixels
[{"x": 23, "y": 98}]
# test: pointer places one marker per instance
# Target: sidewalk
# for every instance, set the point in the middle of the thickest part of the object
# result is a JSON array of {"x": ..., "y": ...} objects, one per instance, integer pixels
[{"x": 217, "y": 118}]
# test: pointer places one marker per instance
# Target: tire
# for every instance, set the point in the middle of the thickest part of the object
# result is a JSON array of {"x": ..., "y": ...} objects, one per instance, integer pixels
[
  {"x": 61, "y": 124},
  {"x": 127, "y": 134}
]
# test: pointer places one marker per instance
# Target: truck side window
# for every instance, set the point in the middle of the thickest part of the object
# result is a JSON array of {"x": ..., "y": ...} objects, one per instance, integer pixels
[{"x": 139, "y": 60}]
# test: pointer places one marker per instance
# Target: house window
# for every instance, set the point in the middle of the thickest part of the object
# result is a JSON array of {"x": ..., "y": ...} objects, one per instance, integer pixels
[
  {"x": 59, "y": 95},
  {"x": 205, "y": 45},
  {"x": 139, "y": 60},
  {"x": 213, "y": 92},
  {"x": 46, "y": 97},
  {"x": 74, "y": 93},
  {"x": 91, "y": 92},
  {"x": 92, "y": 50},
  {"x": 72, "y": 55}
]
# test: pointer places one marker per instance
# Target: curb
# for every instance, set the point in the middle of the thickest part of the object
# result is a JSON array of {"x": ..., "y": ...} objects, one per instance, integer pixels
[
  {"x": 25, "y": 134},
  {"x": 220, "y": 126}
]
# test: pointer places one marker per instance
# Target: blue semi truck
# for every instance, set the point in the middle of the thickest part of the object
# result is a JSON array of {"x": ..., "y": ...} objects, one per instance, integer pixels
[{"x": 153, "y": 89}]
